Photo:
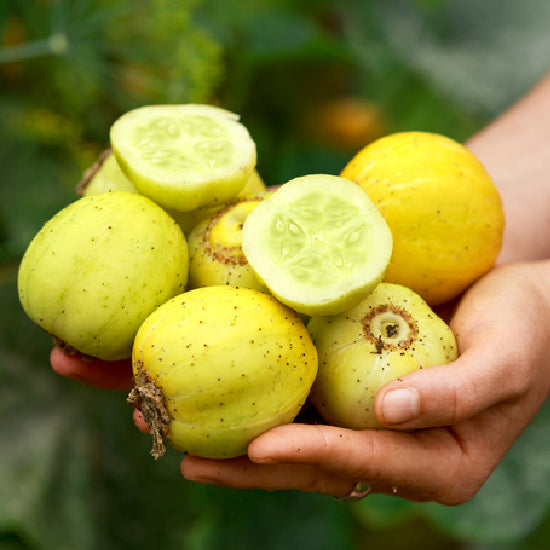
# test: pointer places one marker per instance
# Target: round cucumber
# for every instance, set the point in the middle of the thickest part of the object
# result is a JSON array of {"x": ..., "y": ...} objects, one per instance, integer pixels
[
  {"x": 318, "y": 243},
  {"x": 215, "y": 253},
  {"x": 389, "y": 334},
  {"x": 104, "y": 176}
]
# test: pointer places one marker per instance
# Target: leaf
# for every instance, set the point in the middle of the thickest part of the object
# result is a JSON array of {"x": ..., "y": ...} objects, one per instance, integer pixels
[
  {"x": 514, "y": 500},
  {"x": 484, "y": 55},
  {"x": 381, "y": 512},
  {"x": 33, "y": 187},
  {"x": 282, "y": 520}
]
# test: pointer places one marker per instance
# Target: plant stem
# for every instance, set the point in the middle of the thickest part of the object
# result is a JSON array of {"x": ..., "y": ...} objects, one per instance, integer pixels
[{"x": 56, "y": 44}]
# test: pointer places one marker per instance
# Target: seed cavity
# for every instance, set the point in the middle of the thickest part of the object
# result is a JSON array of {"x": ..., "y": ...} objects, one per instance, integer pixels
[
  {"x": 307, "y": 238},
  {"x": 389, "y": 327},
  {"x": 161, "y": 140}
]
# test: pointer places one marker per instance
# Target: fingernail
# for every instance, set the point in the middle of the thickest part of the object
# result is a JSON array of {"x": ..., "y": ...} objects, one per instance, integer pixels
[
  {"x": 261, "y": 459},
  {"x": 401, "y": 405}
]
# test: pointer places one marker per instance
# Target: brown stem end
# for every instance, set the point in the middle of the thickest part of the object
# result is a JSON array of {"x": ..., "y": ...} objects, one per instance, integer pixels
[{"x": 147, "y": 397}]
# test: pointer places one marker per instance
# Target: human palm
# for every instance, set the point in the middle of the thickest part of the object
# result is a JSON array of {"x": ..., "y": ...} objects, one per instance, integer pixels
[{"x": 452, "y": 424}]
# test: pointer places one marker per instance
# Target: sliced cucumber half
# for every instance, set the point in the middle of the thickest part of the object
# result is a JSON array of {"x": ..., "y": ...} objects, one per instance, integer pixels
[
  {"x": 318, "y": 243},
  {"x": 184, "y": 156}
]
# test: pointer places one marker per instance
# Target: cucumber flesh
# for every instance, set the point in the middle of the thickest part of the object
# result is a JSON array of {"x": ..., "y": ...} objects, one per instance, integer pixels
[
  {"x": 318, "y": 243},
  {"x": 184, "y": 156}
]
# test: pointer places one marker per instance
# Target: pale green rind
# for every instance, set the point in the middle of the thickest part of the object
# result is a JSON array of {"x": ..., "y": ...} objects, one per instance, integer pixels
[
  {"x": 318, "y": 243},
  {"x": 107, "y": 177},
  {"x": 98, "y": 268},
  {"x": 352, "y": 368},
  {"x": 184, "y": 156},
  {"x": 189, "y": 219}
]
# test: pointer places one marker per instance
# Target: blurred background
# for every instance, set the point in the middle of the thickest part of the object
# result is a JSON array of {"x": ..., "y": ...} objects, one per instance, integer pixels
[{"x": 314, "y": 81}]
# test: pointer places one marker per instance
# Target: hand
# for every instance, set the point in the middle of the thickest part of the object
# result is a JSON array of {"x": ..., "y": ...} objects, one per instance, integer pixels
[
  {"x": 94, "y": 372},
  {"x": 452, "y": 423}
]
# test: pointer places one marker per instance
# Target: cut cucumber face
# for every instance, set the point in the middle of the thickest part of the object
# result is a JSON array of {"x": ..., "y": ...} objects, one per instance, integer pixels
[
  {"x": 184, "y": 156},
  {"x": 318, "y": 243}
]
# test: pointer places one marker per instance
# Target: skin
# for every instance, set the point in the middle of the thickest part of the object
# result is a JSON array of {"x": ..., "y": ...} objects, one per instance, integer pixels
[{"x": 465, "y": 415}]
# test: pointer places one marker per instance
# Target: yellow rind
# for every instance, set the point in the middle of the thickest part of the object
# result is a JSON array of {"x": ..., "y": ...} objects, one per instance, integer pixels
[
  {"x": 443, "y": 209},
  {"x": 230, "y": 363},
  {"x": 98, "y": 268},
  {"x": 215, "y": 253}
]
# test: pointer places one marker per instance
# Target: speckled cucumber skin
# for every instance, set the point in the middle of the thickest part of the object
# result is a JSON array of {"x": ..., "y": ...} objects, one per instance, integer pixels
[
  {"x": 389, "y": 334},
  {"x": 215, "y": 252},
  {"x": 104, "y": 176},
  {"x": 97, "y": 269},
  {"x": 230, "y": 363},
  {"x": 443, "y": 208},
  {"x": 188, "y": 220}
]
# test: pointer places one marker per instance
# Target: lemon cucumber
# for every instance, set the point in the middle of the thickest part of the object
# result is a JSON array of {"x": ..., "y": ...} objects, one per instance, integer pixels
[
  {"x": 189, "y": 219},
  {"x": 104, "y": 176},
  {"x": 389, "y": 334},
  {"x": 443, "y": 208},
  {"x": 318, "y": 243},
  {"x": 215, "y": 253},
  {"x": 98, "y": 268},
  {"x": 217, "y": 366},
  {"x": 184, "y": 156}
]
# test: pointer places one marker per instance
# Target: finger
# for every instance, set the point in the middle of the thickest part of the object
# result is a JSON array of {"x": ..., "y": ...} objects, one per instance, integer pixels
[
  {"x": 140, "y": 422},
  {"x": 91, "y": 371},
  {"x": 241, "y": 473},
  {"x": 495, "y": 365},
  {"x": 448, "y": 394},
  {"x": 417, "y": 465}
]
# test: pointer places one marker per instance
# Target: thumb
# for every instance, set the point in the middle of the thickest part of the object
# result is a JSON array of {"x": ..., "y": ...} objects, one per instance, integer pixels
[{"x": 447, "y": 394}]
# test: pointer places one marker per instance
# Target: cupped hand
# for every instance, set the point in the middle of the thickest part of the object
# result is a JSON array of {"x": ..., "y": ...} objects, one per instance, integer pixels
[
  {"x": 94, "y": 372},
  {"x": 115, "y": 375},
  {"x": 452, "y": 423}
]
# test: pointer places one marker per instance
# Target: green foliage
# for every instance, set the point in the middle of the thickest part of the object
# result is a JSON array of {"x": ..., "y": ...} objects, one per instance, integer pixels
[
  {"x": 81, "y": 477},
  {"x": 75, "y": 473},
  {"x": 511, "y": 505},
  {"x": 100, "y": 57}
]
